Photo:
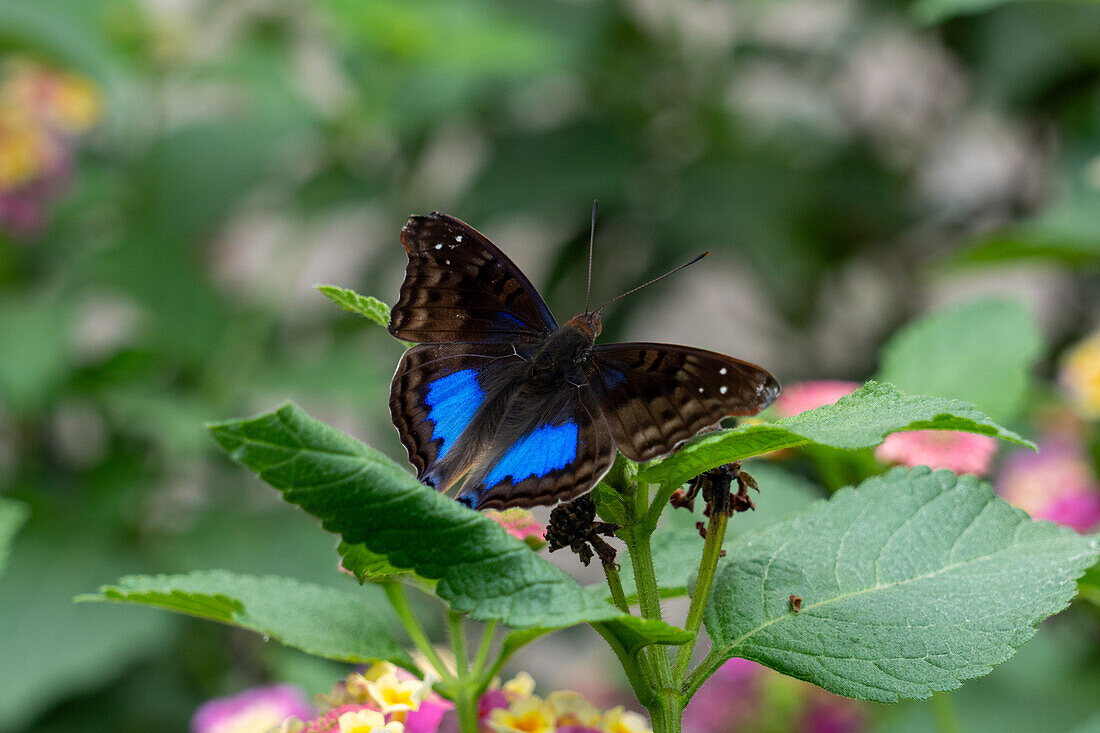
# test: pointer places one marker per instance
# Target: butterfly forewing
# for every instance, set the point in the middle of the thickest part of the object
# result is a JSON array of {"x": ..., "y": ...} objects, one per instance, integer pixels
[
  {"x": 655, "y": 396},
  {"x": 549, "y": 447},
  {"x": 436, "y": 394},
  {"x": 459, "y": 287}
]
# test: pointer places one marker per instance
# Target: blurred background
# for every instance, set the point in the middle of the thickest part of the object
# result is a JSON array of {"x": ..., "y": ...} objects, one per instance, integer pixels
[{"x": 177, "y": 175}]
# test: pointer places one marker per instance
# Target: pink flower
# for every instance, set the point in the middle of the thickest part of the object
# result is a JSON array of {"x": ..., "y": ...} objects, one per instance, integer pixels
[
  {"x": 956, "y": 451},
  {"x": 252, "y": 711},
  {"x": 521, "y": 524},
  {"x": 729, "y": 700},
  {"x": 803, "y": 396},
  {"x": 1057, "y": 484}
]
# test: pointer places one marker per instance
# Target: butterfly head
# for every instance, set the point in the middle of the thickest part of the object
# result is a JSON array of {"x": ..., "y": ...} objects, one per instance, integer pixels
[{"x": 590, "y": 323}]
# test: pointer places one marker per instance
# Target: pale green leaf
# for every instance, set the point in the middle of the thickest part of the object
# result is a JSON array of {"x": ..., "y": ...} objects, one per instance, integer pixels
[
  {"x": 982, "y": 352},
  {"x": 324, "y": 622},
  {"x": 860, "y": 420},
  {"x": 364, "y": 305},
  {"x": 910, "y": 584}
]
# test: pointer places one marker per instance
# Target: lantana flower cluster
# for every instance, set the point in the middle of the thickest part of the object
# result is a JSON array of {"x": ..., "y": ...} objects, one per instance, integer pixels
[
  {"x": 380, "y": 699},
  {"x": 43, "y": 113},
  {"x": 514, "y": 708}
]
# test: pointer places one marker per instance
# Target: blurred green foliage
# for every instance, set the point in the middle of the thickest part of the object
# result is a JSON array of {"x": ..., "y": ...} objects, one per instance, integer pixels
[{"x": 847, "y": 163}]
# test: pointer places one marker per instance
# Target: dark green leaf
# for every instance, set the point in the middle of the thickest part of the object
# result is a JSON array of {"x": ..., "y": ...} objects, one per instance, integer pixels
[
  {"x": 910, "y": 584},
  {"x": 321, "y": 621},
  {"x": 860, "y": 420},
  {"x": 370, "y": 500},
  {"x": 982, "y": 352}
]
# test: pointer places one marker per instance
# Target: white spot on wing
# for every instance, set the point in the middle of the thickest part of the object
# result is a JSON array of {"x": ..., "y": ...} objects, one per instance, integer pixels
[
  {"x": 439, "y": 246},
  {"x": 723, "y": 389},
  {"x": 700, "y": 390},
  {"x": 447, "y": 261},
  {"x": 458, "y": 237},
  {"x": 722, "y": 370}
]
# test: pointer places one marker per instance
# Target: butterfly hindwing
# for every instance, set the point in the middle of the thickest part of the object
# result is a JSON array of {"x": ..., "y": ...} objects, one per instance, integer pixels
[
  {"x": 655, "y": 396},
  {"x": 438, "y": 392},
  {"x": 459, "y": 287},
  {"x": 547, "y": 448}
]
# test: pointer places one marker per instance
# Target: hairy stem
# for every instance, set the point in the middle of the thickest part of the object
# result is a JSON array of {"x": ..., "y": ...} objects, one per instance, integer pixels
[
  {"x": 485, "y": 647},
  {"x": 712, "y": 551},
  {"x": 458, "y": 643},
  {"x": 396, "y": 595},
  {"x": 615, "y": 583}
]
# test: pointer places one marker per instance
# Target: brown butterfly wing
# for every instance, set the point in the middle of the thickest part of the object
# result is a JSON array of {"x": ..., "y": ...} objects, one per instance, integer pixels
[
  {"x": 459, "y": 287},
  {"x": 656, "y": 396}
]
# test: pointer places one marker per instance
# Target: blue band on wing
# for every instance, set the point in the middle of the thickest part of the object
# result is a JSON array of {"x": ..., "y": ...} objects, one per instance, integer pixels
[
  {"x": 453, "y": 400},
  {"x": 544, "y": 449}
]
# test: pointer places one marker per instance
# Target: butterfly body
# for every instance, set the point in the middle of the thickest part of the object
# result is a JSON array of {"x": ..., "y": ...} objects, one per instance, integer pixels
[{"x": 529, "y": 411}]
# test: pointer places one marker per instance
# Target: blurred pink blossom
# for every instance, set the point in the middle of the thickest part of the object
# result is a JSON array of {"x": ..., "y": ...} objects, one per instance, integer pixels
[
  {"x": 728, "y": 701},
  {"x": 521, "y": 524},
  {"x": 956, "y": 451},
  {"x": 1057, "y": 484},
  {"x": 803, "y": 396},
  {"x": 251, "y": 711}
]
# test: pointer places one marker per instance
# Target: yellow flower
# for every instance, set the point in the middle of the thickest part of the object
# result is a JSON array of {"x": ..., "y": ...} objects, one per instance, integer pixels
[
  {"x": 619, "y": 720},
  {"x": 394, "y": 695},
  {"x": 75, "y": 104},
  {"x": 378, "y": 669},
  {"x": 529, "y": 715},
  {"x": 572, "y": 709},
  {"x": 519, "y": 687},
  {"x": 1081, "y": 374},
  {"x": 367, "y": 721}
]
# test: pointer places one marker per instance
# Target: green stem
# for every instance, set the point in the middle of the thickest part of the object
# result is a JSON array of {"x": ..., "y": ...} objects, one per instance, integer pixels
[
  {"x": 458, "y": 642},
  {"x": 466, "y": 709},
  {"x": 396, "y": 595},
  {"x": 712, "y": 551},
  {"x": 615, "y": 583},
  {"x": 485, "y": 647},
  {"x": 943, "y": 711},
  {"x": 634, "y": 673},
  {"x": 700, "y": 674}
]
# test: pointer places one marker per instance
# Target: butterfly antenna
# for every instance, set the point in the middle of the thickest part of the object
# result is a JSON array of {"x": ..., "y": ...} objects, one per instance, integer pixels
[
  {"x": 591, "y": 242},
  {"x": 659, "y": 277}
]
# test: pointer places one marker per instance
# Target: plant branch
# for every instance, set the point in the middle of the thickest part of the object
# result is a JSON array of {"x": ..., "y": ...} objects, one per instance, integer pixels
[
  {"x": 615, "y": 583},
  {"x": 396, "y": 595},
  {"x": 634, "y": 673},
  {"x": 458, "y": 642},
  {"x": 700, "y": 674},
  {"x": 485, "y": 647},
  {"x": 712, "y": 551}
]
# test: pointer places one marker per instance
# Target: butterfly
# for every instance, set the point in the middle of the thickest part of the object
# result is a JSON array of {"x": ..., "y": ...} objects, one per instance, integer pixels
[{"x": 528, "y": 411}]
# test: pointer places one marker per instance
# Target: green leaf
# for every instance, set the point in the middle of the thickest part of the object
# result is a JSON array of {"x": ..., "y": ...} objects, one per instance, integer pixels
[
  {"x": 364, "y": 305},
  {"x": 982, "y": 352},
  {"x": 366, "y": 565},
  {"x": 324, "y": 622},
  {"x": 860, "y": 420},
  {"x": 368, "y": 499},
  {"x": 34, "y": 339},
  {"x": 52, "y": 648},
  {"x": 12, "y": 516},
  {"x": 910, "y": 583}
]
